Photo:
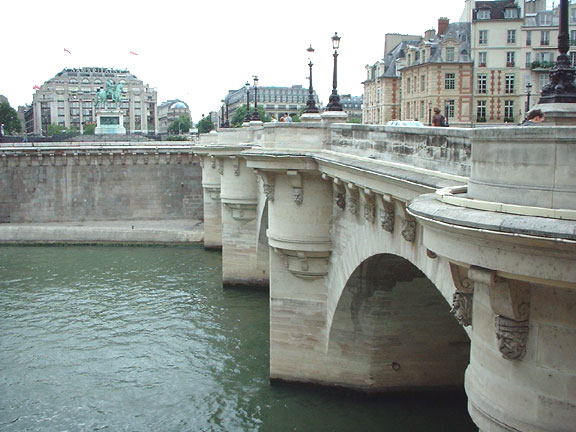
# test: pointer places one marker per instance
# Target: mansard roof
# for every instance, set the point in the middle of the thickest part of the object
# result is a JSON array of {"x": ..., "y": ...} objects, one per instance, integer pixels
[{"x": 497, "y": 8}]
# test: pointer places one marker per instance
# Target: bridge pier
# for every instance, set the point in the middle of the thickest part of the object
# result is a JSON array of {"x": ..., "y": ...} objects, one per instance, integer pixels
[
  {"x": 243, "y": 261},
  {"x": 212, "y": 203}
]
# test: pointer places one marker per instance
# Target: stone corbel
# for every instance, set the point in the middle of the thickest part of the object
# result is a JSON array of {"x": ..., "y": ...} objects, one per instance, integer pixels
[
  {"x": 353, "y": 198},
  {"x": 242, "y": 212},
  {"x": 236, "y": 165},
  {"x": 168, "y": 158},
  {"x": 295, "y": 179},
  {"x": 134, "y": 158},
  {"x": 267, "y": 183},
  {"x": 220, "y": 166},
  {"x": 463, "y": 298},
  {"x": 510, "y": 301},
  {"x": 304, "y": 264},
  {"x": 145, "y": 158},
  {"x": 52, "y": 159},
  {"x": 40, "y": 158},
  {"x": 214, "y": 193},
  {"x": 369, "y": 204},
  {"x": 201, "y": 160},
  {"x": 76, "y": 158},
  {"x": 157, "y": 158},
  {"x": 387, "y": 213},
  {"x": 213, "y": 162},
  {"x": 339, "y": 194},
  {"x": 408, "y": 225}
]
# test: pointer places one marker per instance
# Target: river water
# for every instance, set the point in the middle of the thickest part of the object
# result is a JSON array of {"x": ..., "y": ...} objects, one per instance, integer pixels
[{"x": 146, "y": 339}]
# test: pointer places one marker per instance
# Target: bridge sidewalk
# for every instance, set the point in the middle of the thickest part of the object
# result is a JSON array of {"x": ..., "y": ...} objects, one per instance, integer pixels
[{"x": 180, "y": 231}]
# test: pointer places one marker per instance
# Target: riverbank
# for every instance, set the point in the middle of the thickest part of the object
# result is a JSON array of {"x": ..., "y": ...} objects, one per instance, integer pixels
[{"x": 179, "y": 231}]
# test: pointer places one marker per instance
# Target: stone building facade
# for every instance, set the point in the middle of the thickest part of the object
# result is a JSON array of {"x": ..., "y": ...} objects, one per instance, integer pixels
[
  {"x": 68, "y": 100},
  {"x": 275, "y": 100},
  {"x": 169, "y": 111},
  {"x": 488, "y": 69}
]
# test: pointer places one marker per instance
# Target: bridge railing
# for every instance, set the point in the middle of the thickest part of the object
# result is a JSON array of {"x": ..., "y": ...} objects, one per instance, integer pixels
[{"x": 446, "y": 150}]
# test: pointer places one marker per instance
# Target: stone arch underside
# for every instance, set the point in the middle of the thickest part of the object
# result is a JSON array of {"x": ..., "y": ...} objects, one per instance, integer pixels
[{"x": 392, "y": 330}]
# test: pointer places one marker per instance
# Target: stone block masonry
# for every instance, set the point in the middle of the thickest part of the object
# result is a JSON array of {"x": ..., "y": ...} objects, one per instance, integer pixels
[{"x": 83, "y": 185}]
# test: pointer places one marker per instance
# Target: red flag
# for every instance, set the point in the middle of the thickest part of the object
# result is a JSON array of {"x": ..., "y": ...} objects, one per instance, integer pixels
[
  {"x": 67, "y": 51},
  {"x": 36, "y": 87},
  {"x": 133, "y": 53}
]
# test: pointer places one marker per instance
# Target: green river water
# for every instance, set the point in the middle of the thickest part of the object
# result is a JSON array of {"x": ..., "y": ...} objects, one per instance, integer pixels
[{"x": 98, "y": 338}]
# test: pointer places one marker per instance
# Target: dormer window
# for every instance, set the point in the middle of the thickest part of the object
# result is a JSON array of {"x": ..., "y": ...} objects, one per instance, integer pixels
[
  {"x": 511, "y": 13},
  {"x": 483, "y": 14}
]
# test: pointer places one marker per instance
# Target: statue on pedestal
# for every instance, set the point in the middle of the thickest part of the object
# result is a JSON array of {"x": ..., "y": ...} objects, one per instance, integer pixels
[{"x": 112, "y": 92}]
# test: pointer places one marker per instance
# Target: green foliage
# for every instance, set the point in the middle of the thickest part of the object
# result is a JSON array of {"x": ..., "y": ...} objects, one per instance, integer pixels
[
  {"x": 205, "y": 125},
  {"x": 89, "y": 129},
  {"x": 354, "y": 120},
  {"x": 9, "y": 118},
  {"x": 177, "y": 138},
  {"x": 181, "y": 125},
  {"x": 240, "y": 115},
  {"x": 55, "y": 129}
]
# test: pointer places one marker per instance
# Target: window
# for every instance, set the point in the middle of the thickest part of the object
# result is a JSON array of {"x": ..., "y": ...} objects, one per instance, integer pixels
[
  {"x": 508, "y": 110},
  {"x": 573, "y": 58},
  {"x": 483, "y": 14},
  {"x": 408, "y": 85},
  {"x": 511, "y": 39},
  {"x": 573, "y": 16},
  {"x": 528, "y": 59},
  {"x": 546, "y": 19},
  {"x": 481, "y": 111},
  {"x": 482, "y": 80},
  {"x": 449, "y": 108},
  {"x": 422, "y": 109},
  {"x": 450, "y": 54},
  {"x": 543, "y": 80},
  {"x": 529, "y": 38},
  {"x": 510, "y": 59},
  {"x": 449, "y": 81},
  {"x": 572, "y": 37},
  {"x": 511, "y": 13},
  {"x": 545, "y": 37},
  {"x": 482, "y": 57},
  {"x": 509, "y": 83},
  {"x": 423, "y": 83},
  {"x": 483, "y": 37},
  {"x": 545, "y": 58}
]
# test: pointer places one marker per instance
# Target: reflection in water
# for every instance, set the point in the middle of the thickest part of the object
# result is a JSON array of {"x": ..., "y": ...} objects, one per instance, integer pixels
[{"x": 146, "y": 339}]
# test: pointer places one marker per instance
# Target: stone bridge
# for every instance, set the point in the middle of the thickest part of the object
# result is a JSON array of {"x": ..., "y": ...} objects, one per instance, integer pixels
[{"x": 408, "y": 259}]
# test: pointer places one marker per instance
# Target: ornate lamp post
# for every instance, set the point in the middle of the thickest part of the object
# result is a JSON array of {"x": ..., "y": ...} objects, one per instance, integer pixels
[
  {"x": 222, "y": 115},
  {"x": 248, "y": 116},
  {"x": 226, "y": 122},
  {"x": 310, "y": 103},
  {"x": 528, "y": 89},
  {"x": 561, "y": 87},
  {"x": 256, "y": 115},
  {"x": 334, "y": 100}
]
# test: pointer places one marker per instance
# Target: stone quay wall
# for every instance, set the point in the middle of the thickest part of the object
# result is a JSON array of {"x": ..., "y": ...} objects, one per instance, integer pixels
[{"x": 75, "y": 184}]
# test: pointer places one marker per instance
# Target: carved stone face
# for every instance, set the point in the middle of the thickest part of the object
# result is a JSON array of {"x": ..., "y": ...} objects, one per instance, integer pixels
[{"x": 511, "y": 348}]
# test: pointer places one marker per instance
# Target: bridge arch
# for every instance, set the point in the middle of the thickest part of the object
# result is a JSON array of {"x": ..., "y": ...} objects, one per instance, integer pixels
[{"x": 394, "y": 328}]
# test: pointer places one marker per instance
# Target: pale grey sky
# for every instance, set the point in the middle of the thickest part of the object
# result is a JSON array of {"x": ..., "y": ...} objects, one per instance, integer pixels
[{"x": 197, "y": 51}]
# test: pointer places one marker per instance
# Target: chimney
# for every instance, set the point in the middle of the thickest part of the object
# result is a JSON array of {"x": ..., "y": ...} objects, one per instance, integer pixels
[{"x": 442, "y": 25}]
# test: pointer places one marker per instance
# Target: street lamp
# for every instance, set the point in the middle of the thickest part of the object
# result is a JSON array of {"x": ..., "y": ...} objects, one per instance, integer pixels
[
  {"x": 256, "y": 115},
  {"x": 561, "y": 88},
  {"x": 248, "y": 117},
  {"x": 222, "y": 115},
  {"x": 310, "y": 103},
  {"x": 528, "y": 88},
  {"x": 334, "y": 100}
]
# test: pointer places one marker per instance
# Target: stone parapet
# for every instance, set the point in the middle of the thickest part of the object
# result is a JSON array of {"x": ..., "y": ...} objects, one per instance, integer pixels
[{"x": 532, "y": 166}]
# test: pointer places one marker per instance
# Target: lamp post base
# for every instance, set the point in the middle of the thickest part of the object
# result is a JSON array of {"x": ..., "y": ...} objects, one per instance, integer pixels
[{"x": 334, "y": 117}]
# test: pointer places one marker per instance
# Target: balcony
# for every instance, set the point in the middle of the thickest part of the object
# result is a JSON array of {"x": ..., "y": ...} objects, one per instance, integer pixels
[
  {"x": 510, "y": 64},
  {"x": 542, "y": 64}
]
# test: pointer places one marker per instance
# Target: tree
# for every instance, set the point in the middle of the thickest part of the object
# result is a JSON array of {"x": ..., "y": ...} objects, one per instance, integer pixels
[
  {"x": 55, "y": 129},
  {"x": 89, "y": 129},
  {"x": 9, "y": 119},
  {"x": 205, "y": 125},
  {"x": 240, "y": 115},
  {"x": 181, "y": 124}
]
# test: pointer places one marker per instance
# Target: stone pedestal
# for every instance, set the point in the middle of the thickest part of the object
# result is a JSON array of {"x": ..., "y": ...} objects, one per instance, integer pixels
[
  {"x": 334, "y": 117},
  {"x": 110, "y": 122},
  {"x": 558, "y": 114},
  {"x": 310, "y": 117}
]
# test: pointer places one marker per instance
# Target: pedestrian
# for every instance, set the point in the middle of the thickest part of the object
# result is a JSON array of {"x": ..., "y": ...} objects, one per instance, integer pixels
[
  {"x": 287, "y": 118},
  {"x": 533, "y": 118},
  {"x": 438, "y": 120}
]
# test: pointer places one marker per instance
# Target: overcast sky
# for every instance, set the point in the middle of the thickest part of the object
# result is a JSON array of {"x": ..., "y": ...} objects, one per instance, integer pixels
[{"x": 198, "y": 50}]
